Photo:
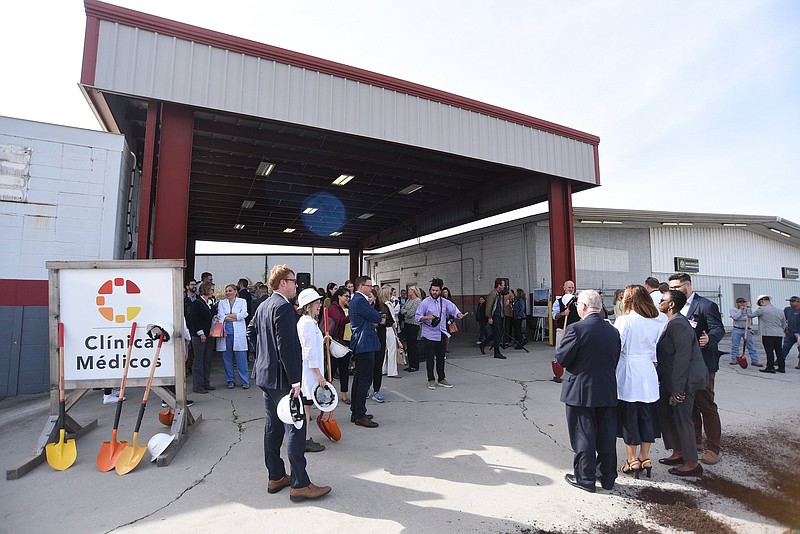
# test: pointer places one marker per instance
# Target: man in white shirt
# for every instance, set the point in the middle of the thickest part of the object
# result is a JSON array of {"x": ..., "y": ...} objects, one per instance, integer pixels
[{"x": 651, "y": 285}]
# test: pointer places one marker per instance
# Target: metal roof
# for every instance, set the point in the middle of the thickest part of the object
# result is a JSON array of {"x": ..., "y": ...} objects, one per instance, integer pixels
[{"x": 315, "y": 120}]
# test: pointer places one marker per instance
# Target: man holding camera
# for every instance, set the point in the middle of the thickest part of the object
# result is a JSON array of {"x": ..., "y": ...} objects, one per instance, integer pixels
[
  {"x": 494, "y": 316},
  {"x": 432, "y": 315}
]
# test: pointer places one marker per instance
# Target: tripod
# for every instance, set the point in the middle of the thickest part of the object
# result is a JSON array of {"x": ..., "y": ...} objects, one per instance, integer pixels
[{"x": 511, "y": 339}]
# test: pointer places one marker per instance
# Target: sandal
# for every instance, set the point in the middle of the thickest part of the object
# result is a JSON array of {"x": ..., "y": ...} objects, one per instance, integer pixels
[
  {"x": 632, "y": 467},
  {"x": 647, "y": 466}
]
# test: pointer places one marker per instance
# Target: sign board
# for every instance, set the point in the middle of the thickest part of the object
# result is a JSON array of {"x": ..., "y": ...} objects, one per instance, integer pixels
[
  {"x": 687, "y": 265},
  {"x": 540, "y": 304},
  {"x": 790, "y": 273}
]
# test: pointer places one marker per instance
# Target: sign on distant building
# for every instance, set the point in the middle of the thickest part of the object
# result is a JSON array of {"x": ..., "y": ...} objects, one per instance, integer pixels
[
  {"x": 687, "y": 265},
  {"x": 791, "y": 273}
]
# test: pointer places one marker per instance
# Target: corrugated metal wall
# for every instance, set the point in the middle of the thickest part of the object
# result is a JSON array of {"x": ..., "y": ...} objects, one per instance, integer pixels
[
  {"x": 733, "y": 252},
  {"x": 151, "y": 65}
]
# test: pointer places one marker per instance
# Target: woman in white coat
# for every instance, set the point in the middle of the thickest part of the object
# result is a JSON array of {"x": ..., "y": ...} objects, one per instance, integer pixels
[
  {"x": 231, "y": 312},
  {"x": 390, "y": 362},
  {"x": 311, "y": 344},
  {"x": 640, "y": 326}
]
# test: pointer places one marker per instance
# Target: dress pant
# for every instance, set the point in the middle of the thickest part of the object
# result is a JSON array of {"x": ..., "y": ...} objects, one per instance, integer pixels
[
  {"x": 201, "y": 368},
  {"x": 362, "y": 380},
  {"x": 482, "y": 331},
  {"x": 497, "y": 334},
  {"x": 677, "y": 428},
  {"x": 593, "y": 437},
  {"x": 706, "y": 416},
  {"x": 274, "y": 431},
  {"x": 380, "y": 356},
  {"x": 772, "y": 346},
  {"x": 434, "y": 351},
  {"x": 411, "y": 333},
  {"x": 518, "y": 337}
]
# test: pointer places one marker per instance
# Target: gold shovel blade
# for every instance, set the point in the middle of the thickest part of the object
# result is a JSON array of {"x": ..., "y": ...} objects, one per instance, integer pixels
[
  {"x": 61, "y": 455},
  {"x": 130, "y": 457}
]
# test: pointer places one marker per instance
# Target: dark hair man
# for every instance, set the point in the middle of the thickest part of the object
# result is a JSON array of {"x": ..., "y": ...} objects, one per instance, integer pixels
[
  {"x": 589, "y": 353},
  {"x": 651, "y": 285},
  {"x": 207, "y": 277},
  {"x": 279, "y": 370},
  {"x": 494, "y": 317},
  {"x": 363, "y": 342},
  {"x": 792, "y": 337},
  {"x": 189, "y": 294},
  {"x": 432, "y": 314},
  {"x": 705, "y": 318}
]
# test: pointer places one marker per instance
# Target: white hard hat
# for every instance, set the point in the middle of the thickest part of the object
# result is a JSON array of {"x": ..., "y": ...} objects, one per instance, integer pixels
[
  {"x": 307, "y": 296},
  {"x": 326, "y": 399},
  {"x": 159, "y": 443},
  {"x": 291, "y": 411},
  {"x": 762, "y": 297},
  {"x": 338, "y": 350}
]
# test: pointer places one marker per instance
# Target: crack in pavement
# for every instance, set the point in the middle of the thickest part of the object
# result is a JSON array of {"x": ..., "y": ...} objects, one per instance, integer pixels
[
  {"x": 531, "y": 421},
  {"x": 240, "y": 432}
]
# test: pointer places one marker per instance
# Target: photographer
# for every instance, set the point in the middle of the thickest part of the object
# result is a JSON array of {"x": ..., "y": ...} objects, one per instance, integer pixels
[{"x": 432, "y": 314}]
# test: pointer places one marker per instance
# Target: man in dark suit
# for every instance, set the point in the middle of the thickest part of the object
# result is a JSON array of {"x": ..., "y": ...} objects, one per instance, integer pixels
[
  {"x": 279, "y": 368},
  {"x": 494, "y": 317},
  {"x": 363, "y": 342},
  {"x": 705, "y": 318},
  {"x": 589, "y": 352}
]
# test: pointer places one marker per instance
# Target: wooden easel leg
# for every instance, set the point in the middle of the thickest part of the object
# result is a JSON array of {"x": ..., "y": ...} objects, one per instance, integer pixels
[{"x": 184, "y": 426}]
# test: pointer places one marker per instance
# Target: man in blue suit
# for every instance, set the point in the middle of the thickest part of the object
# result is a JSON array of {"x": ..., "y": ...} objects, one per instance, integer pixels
[
  {"x": 363, "y": 342},
  {"x": 279, "y": 369},
  {"x": 704, "y": 316},
  {"x": 589, "y": 352}
]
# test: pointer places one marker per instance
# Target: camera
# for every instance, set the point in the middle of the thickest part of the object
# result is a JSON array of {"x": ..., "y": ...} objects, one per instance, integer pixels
[{"x": 435, "y": 321}]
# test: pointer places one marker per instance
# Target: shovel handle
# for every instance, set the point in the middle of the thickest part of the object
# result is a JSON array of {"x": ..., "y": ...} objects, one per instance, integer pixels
[
  {"x": 153, "y": 368},
  {"x": 119, "y": 412},
  {"x": 141, "y": 416},
  {"x": 127, "y": 362}
]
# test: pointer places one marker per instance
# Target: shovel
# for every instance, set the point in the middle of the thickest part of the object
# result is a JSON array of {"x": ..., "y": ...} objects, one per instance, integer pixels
[
  {"x": 166, "y": 416},
  {"x": 110, "y": 450},
  {"x": 329, "y": 426},
  {"x": 61, "y": 455},
  {"x": 741, "y": 359},
  {"x": 133, "y": 453}
]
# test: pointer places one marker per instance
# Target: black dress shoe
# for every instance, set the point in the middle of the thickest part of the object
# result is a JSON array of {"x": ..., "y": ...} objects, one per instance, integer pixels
[
  {"x": 696, "y": 472},
  {"x": 667, "y": 461},
  {"x": 499, "y": 356},
  {"x": 210, "y": 387},
  {"x": 769, "y": 370},
  {"x": 780, "y": 370},
  {"x": 366, "y": 422},
  {"x": 607, "y": 487},
  {"x": 570, "y": 478},
  {"x": 367, "y": 415},
  {"x": 201, "y": 391},
  {"x": 483, "y": 349}
]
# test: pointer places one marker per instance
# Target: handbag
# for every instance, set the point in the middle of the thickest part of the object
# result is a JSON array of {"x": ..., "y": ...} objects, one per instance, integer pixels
[
  {"x": 451, "y": 325},
  {"x": 217, "y": 330},
  {"x": 401, "y": 356}
]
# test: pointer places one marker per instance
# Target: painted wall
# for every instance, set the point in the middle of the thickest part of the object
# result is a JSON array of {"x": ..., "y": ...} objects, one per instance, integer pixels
[{"x": 228, "y": 269}]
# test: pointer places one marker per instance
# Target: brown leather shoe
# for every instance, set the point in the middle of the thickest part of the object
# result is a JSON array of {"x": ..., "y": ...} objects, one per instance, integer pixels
[
  {"x": 353, "y": 417},
  {"x": 274, "y": 486},
  {"x": 366, "y": 422},
  {"x": 309, "y": 492}
]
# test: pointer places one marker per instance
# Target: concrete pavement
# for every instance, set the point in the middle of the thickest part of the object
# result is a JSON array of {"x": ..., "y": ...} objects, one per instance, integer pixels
[{"x": 488, "y": 455}]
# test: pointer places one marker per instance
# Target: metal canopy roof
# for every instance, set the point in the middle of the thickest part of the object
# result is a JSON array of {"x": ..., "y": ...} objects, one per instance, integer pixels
[{"x": 229, "y": 145}]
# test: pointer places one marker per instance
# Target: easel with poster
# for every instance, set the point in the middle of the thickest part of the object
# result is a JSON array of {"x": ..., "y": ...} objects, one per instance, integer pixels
[{"x": 97, "y": 301}]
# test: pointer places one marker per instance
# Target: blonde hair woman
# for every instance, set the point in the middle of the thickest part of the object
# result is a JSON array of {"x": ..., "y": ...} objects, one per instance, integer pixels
[
  {"x": 411, "y": 327},
  {"x": 390, "y": 363}
]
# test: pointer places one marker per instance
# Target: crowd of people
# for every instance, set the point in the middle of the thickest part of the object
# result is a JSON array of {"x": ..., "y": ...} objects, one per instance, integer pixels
[
  {"x": 652, "y": 374},
  {"x": 649, "y": 375}
]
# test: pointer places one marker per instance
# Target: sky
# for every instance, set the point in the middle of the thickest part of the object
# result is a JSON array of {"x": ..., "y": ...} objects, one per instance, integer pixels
[{"x": 697, "y": 104}]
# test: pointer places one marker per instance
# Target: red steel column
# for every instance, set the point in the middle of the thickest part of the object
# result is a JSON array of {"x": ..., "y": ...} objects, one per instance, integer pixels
[
  {"x": 172, "y": 185},
  {"x": 356, "y": 259},
  {"x": 146, "y": 192},
  {"x": 562, "y": 234}
]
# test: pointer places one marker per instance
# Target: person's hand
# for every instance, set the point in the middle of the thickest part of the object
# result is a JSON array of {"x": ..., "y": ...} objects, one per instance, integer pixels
[
  {"x": 295, "y": 392},
  {"x": 703, "y": 339},
  {"x": 676, "y": 398},
  {"x": 462, "y": 315},
  {"x": 203, "y": 338},
  {"x": 321, "y": 381},
  {"x": 490, "y": 320},
  {"x": 327, "y": 338}
]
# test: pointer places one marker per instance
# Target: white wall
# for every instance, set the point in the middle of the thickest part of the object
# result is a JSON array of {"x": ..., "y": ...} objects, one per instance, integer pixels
[
  {"x": 228, "y": 269},
  {"x": 60, "y": 196}
]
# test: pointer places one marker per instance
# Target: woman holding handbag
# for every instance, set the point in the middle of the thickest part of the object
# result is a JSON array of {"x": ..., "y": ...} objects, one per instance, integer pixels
[
  {"x": 201, "y": 315},
  {"x": 411, "y": 328},
  {"x": 339, "y": 323},
  {"x": 231, "y": 312}
]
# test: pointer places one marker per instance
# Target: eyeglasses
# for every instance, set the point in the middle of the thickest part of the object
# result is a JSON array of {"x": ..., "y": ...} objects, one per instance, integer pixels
[{"x": 291, "y": 280}]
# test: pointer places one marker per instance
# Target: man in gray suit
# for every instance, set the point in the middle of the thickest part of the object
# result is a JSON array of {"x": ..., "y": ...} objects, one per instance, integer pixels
[
  {"x": 703, "y": 315},
  {"x": 279, "y": 368},
  {"x": 589, "y": 352}
]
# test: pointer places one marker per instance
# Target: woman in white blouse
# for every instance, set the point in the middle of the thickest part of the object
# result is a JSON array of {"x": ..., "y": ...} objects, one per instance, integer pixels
[
  {"x": 390, "y": 362},
  {"x": 231, "y": 312},
  {"x": 640, "y": 326},
  {"x": 311, "y": 343}
]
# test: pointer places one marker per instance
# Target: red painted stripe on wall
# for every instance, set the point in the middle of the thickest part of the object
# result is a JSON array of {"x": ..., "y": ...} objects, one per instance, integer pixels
[{"x": 23, "y": 292}]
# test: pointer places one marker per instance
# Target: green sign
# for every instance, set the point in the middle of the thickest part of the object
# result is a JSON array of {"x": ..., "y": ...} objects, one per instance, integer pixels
[
  {"x": 791, "y": 273},
  {"x": 687, "y": 265}
]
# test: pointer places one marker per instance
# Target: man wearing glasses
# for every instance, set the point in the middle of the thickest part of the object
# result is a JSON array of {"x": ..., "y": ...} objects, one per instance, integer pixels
[
  {"x": 363, "y": 342},
  {"x": 279, "y": 368},
  {"x": 704, "y": 317}
]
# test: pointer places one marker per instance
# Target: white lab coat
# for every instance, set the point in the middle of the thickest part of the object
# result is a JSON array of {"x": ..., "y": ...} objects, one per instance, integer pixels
[
  {"x": 311, "y": 344},
  {"x": 239, "y": 328},
  {"x": 637, "y": 380}
]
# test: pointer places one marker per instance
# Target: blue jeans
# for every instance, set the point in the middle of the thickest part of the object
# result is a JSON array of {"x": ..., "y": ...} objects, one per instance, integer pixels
[
  {"x": 227, "y": 359},
  {"x": 736, "y": 339},
  {"x": 789, "y": 341}
]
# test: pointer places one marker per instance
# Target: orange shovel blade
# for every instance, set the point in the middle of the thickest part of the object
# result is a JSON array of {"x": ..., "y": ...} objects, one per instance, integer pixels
[
  {"x": 109, "y": 453},
  {"x": 166, "y": 417},
  {"x": 61, "y": 455},
  {"x": 334, "y": 432},
  {"x": 130, "y": 457}
]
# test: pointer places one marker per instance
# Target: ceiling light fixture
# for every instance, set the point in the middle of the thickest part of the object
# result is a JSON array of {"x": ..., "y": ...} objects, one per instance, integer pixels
[
  {"x": 343, "y": 179},
  {"x": 247, "y": 204},
  {"x": 309, "y": 211},
  {"x": 410, "y": 189},
  {"x": 784, "y": 234},
  {"x": 685, "y": 224},
  {"x": 288, "y": 230},
  {"x": 364, "y": 216},
  {"x": 591, "y": 222},
  {"x": 238, "y": 227},
  {"x": 612, "y": 222},
  {"x": 669, "y": 224},
  {"x": 336, "y": 234},
  {"x": 738, "y": 225},
  {"x": 264, "y": 168}
]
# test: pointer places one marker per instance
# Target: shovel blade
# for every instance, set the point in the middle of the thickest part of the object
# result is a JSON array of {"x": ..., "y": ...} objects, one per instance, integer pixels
[
  {"x": 742, "y": 361},
  {"x": 322, "y": 427},
  {"x": 130, "y": 457},
  {"x": 109, "y": 454},
  {"x": 61, "y": 455},
  {"x": 166, "y": 417},
  {"x": 334, "y": 433}
]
